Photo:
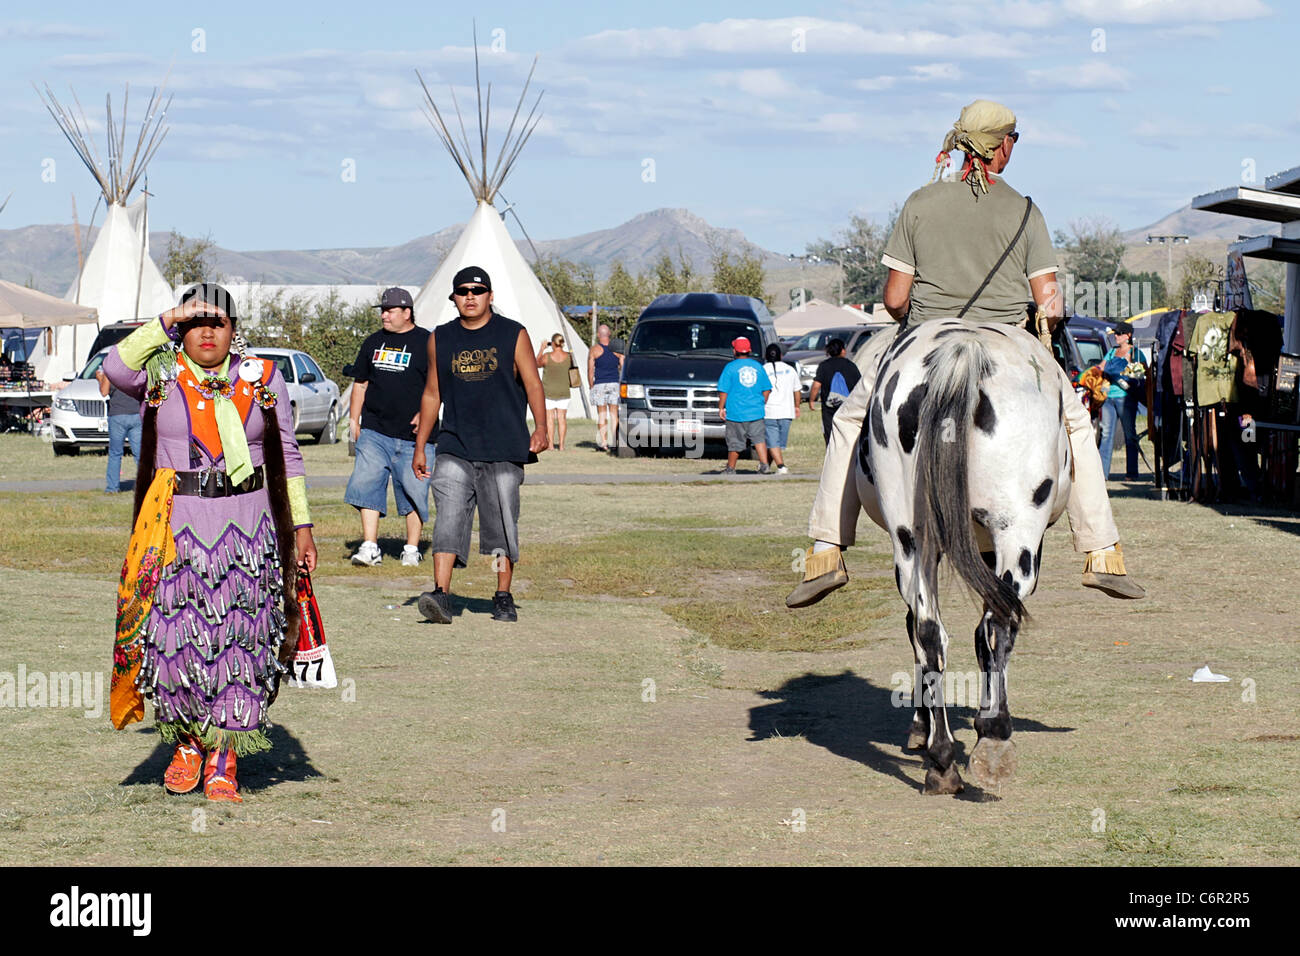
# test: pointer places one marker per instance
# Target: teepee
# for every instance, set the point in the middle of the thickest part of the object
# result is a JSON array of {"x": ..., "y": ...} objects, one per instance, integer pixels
[
  {"x": 118, "y": 277},
  {"x": 517, "y": 293}
]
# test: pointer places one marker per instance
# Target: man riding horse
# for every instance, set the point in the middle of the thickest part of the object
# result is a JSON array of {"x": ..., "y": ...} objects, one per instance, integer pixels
[{"x": 966, "y": 248}]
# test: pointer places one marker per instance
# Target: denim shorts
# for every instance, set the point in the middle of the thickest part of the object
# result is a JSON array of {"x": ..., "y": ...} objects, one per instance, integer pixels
[
  {"x": 380, "y": 457},
  {"x": 778, "y": 431},
  {"x": 460, "y": 486}
]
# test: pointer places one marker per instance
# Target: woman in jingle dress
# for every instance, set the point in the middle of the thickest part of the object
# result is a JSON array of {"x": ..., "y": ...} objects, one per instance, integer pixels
[{"x": 207, "y": 611}]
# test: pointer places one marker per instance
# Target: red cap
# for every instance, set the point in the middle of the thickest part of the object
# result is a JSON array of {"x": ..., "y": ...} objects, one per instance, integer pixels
[{"x": 740, "y": 344}]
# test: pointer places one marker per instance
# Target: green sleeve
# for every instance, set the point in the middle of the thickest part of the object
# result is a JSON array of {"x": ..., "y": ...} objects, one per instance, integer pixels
[
  {"x": 135, "y": 349},
  {"x": 298, "y": 501}
]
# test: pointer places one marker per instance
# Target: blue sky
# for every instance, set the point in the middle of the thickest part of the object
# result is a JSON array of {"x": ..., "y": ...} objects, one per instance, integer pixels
[{"x": 779, "y": 119}]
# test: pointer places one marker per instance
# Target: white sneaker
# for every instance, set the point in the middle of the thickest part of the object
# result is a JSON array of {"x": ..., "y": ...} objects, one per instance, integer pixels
[
  {"x": 368, "y": 554},
  {"x": 410, "y": 556},
  {"x": 782, "y": 470}
]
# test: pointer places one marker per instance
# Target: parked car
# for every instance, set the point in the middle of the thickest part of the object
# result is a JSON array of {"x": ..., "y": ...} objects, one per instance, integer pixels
[
  {"x": 668, "y": 393},
  {"x": 1093, "y": 337},
  {"x": 808, "y": 351},
  {"x": 314, "y": 399},
  {"x": 78, "y": 413}
]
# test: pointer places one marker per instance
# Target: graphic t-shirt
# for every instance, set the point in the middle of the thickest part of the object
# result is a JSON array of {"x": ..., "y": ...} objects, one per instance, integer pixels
[
  {"x": 948, "y": 239},
  {"x": 1216, "y": 367},
  {"x": 743, "y": 381},
  {"x": 394, "y": 365},
  {"x": 785, "y": 386},
  {"x": 483, "y": 398}
]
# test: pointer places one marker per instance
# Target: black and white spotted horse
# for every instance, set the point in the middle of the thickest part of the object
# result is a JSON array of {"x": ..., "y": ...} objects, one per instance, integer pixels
[{"x": 964, "y": 455}]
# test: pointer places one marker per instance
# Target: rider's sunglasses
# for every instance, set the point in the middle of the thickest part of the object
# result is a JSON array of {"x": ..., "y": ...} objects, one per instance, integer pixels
[
  {"x": 1015, "y": 136},
  {"x": 471, "y": 290}
]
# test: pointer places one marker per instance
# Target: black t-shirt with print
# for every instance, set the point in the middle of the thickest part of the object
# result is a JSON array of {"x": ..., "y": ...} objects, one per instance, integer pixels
[
  {"x": 483, "y": 400},
  {"x": 394, "y": 365}
]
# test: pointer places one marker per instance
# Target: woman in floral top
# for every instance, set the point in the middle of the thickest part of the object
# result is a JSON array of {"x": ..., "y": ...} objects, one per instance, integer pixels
[{"x": 1126, "y": 392}]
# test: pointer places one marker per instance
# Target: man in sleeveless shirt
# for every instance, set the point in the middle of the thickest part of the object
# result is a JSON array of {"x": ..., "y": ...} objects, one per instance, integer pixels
[
  {"x": 603, "y": 368},
  {"x": 948, "y": 236},
  {"x": 483, "y": 377}
]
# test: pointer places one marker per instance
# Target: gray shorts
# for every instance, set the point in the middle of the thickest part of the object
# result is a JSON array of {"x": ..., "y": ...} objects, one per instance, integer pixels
[
  {"x": 740, "y": 432},
  {"x": 460, "y": 486}
]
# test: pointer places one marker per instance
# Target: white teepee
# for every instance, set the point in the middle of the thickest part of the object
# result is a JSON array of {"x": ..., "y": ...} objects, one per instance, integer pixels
[
  {"x": 118, "y": 277},
  {"x": 517, "y": 293}
]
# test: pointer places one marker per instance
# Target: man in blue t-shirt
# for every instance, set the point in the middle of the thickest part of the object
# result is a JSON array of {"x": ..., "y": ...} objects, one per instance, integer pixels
[{"x": 743, "y": 388}]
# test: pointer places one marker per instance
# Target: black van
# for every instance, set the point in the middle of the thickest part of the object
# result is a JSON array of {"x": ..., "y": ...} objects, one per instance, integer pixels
[{"x": 668, "y": 394}]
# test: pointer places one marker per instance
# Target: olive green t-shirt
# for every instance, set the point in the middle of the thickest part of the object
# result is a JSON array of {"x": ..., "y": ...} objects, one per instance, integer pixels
[
  {"x": 1216, "y": 367},
  {"x": 947, "y": 239}
]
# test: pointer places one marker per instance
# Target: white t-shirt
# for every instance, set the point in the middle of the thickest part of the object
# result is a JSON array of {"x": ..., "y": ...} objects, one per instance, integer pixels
[{"x": 785, "y": 385}]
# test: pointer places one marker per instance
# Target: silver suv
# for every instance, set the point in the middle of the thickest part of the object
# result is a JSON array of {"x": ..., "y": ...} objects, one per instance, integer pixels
[{"x": 79, "y": 414}]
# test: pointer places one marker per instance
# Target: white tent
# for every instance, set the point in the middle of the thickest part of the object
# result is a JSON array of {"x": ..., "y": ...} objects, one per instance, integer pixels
[
  {"x": 118, "y": 277},
  {"x": 517, "y": 293},
  {"x": 816, "y": 314}
]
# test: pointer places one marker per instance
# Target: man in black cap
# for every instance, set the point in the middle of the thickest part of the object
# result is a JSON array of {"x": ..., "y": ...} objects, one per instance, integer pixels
[
  {"x": 483, "y": 377},
  {"x": 389, "y": 376}
]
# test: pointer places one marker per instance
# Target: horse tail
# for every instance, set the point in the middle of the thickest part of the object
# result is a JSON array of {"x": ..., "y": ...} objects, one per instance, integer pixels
[{"x": 941, "y": 503}]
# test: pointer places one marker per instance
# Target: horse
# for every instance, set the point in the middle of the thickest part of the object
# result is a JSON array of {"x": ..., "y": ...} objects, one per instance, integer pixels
[{"x": 964, "y": 454}]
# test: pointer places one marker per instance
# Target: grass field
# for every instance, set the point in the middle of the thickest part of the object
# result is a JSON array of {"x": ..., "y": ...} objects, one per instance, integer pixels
[{"x": 657, "y": 703}]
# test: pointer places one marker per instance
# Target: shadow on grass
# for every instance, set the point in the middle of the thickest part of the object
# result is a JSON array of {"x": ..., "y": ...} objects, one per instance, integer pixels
[
  {"x": 853, "y": 718},
  {"x": 286, "y": 761}
]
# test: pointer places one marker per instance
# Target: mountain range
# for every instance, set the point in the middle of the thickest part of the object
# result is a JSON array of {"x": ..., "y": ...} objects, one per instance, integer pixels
[{"x": 45, "y": 256}]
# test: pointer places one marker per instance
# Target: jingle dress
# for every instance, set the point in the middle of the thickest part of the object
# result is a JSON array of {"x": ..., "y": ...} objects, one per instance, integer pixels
[{"x": 209, "y": 647}]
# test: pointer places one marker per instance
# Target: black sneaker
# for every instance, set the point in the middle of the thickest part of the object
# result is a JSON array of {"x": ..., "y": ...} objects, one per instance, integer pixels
[
  {"x": 436, "y": 606},
  {"x": 503, "y": 607}
]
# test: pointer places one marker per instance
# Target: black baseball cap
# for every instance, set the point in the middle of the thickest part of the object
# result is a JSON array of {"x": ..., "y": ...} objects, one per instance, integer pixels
[
  {"x": 395, "y": 298},
  {"x": 468, "y": 275}
]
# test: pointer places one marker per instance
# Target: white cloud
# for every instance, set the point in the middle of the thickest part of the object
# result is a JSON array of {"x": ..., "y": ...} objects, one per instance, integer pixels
[
  {"x": 936, "y": 71},
  {"x": 783, "y": 36},
  {"x": 1166, "y": 11},
  {"x": 875, "y": 84},
  {"x": 1093, "y": 74},
  {"x": 1218, "y": 91},
  {"x": 58, "y": 32},
  {"x": 756, "y": 82}
]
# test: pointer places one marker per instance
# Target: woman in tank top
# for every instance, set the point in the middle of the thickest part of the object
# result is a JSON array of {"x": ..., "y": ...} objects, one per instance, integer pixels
[{"x": 554, "y": 363}]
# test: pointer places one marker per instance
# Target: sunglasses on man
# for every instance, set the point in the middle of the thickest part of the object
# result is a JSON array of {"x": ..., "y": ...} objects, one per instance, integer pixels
[{"x": 471, "y": 290}]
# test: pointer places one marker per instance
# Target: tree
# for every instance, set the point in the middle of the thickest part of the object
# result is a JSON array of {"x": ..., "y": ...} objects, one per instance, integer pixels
[
  {"x": 857, "y": 250},
  {"x": 744, "y": 275},
  {"x": 1199, "y": 274},
  {"x": 328, "y": 330},
  {"x": 189, "y": 260},
  {"x": 1093, "y": 250},
  {"x": 620, "y": 289}
]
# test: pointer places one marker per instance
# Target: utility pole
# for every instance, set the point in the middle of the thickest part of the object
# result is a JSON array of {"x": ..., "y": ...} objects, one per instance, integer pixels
[{"x": 1168, "y": 242}]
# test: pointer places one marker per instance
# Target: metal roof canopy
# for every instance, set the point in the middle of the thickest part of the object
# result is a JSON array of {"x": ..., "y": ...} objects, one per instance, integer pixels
[
  {"x": 1268, "y": 247},
  {"x": 1251, "y": 203},
  {"x": 1287, "y": 181}
]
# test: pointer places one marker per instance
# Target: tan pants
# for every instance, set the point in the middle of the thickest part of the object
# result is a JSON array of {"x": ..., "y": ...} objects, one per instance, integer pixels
[{"x": 834, "y": 517}]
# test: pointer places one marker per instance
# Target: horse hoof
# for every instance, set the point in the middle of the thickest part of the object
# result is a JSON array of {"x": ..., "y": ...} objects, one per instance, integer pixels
[
  {"x": 937, "y": 783},
  {"x": 992, "y": 762},
  {"x": 916, "y": 740}
]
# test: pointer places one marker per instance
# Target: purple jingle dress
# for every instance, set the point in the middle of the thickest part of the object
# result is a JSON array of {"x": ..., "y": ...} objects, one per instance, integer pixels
[{"x": 214, "y": 633}]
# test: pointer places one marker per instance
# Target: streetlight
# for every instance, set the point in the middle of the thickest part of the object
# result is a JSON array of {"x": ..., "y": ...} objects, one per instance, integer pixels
[{"x": 1169, "y": 247}]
